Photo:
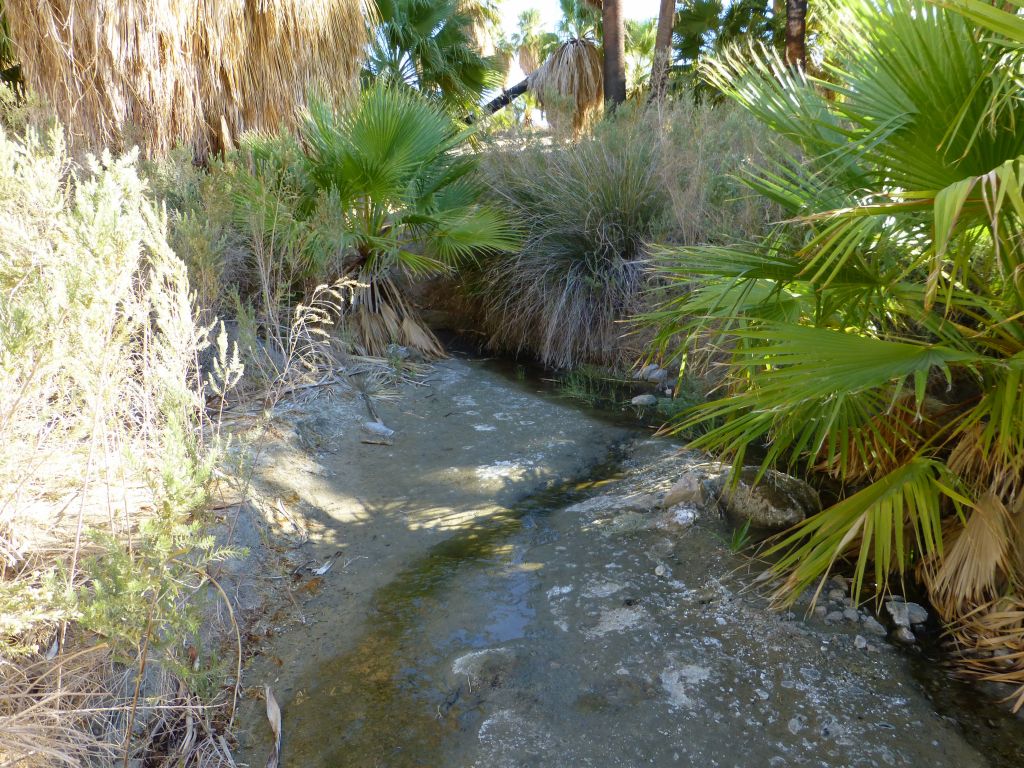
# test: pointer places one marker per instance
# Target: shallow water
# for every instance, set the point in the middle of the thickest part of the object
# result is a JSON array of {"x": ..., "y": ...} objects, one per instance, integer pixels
[{"x": 581, "y": 627}]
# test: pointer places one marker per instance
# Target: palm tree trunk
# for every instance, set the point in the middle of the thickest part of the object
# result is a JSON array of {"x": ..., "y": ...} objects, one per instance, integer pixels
[
  {"x": 662, "y": 49},
  {"x": 614, "y": 52},
  {"x": 507, "y": 96},
  {"x": 796, "y": 33}
]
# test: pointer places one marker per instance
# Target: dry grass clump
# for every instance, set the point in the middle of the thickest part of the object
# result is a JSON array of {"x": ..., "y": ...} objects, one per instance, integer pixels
[
  {"x": 104, "y": 464},
  {"x": 590, "y": 210},
  {"x": 195, "y": 72},
  {"x": 570, "y": 86}
]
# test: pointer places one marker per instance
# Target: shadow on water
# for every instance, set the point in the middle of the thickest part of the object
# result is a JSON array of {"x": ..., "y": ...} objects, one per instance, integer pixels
[
  {"x": 384, "y": 702},
  {"x": 985, "y": 721}
]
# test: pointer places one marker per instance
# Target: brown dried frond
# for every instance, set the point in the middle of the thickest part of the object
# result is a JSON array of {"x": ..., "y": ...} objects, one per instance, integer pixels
[
  {"x": 527, "y": 56},
  {"x": 991, "y": 642},
  {"x": 999, "y": 471},
  {"x": 570, "y": 86},
  {"x": 978, "y": 563},
  {"x": 380, "y": 317},
  {"x": 186, "y": 71}
]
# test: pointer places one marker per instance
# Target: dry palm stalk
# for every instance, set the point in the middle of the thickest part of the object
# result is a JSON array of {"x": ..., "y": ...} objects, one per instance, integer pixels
[
  {"x": 192, "y": 72},
  {"x": 570, "y": 85}
]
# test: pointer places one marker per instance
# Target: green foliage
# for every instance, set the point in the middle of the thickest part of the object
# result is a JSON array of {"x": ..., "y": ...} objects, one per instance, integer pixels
[
  {"x": 377, "y": 188},
  {"x": 876, "y": 334},
  {"x": 428, "y": 45},
  {"x": 97, "y": 353},
  {"x": 144, "y": 596},
  {"x": 589, "y": 210}
]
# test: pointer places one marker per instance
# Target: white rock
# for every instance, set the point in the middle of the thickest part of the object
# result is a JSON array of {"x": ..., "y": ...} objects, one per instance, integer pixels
[
  {"x": 688, "y": 489},
  {"x": 376, "y": 428},
  {"x": 644, "y": 400}
]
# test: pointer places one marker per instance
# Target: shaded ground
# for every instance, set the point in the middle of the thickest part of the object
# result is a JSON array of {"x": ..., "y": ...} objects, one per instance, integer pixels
[{"x": 473, "y": 618}]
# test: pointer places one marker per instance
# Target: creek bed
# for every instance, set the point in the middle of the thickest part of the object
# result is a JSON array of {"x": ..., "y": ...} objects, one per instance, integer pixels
[{"x": 580, "y": 626}]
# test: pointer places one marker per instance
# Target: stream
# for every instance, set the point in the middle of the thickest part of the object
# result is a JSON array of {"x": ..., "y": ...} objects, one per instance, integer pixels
[{"x": 511, "y": 594}]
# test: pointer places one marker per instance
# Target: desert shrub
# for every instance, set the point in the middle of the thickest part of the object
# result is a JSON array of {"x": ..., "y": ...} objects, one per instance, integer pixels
[
  {"x": 105, "y": 454},
  {"x": 590, "y": 210}
]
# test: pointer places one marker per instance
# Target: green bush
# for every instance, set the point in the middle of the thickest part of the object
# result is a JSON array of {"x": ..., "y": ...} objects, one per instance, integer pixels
[
  {"x": 590, "y": 210},
  {"x": 877, "y": 336},
  {"x": 381, "y": 188},
  {"x": 105, "y": 452}
]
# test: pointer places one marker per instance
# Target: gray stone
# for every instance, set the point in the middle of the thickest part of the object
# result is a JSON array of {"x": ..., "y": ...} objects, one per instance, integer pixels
[
  {"x": 860, "y": 642},
  {"x": 916, "y": 613},
  {"x": 820, "y": 611},
  {"x": 398, "y": 351},
  {"x": 377, "y": 429},
  {"x": 899, "y": 612},
  {"x": 644, "y": 372},
  {"x": 644, "y": 400},
  {"x": 682, "y": 515},
  {"x": 851, "y": 614},
  {"x": 489, "y": 667},
  {"x": 872, "y": 625},
  {"x": 777, "y": 502},
  {"x": 837, "y": 595},
  {"x": 904, "y": 635},
  {"x": 658, "y": 376},
  {"x": 688, "y": 489},
  {"x": 834, "y": 617}
]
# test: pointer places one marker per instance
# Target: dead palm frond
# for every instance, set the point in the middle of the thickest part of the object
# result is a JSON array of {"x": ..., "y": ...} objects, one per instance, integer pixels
[
  {"x": 976, "y": 565},
  {"x": 570, "y": 86},
  {"x": 195, "y": 72},
  {"x": 991, "y": 642}
]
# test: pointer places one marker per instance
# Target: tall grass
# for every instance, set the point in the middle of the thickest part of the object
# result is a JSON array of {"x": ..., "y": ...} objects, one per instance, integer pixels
[
  {"x": 104, "y": 464},
  {"x": 590, "y": 209}
]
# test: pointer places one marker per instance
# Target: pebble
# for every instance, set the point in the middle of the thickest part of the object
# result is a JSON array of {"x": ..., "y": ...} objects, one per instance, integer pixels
[
  {"x": 837, "y": 595},
  {"x": 860, "y": 642},
  {"x": 644, "y": 400},
  {"x": 661, "y": 571},
  {"x": 376, "y": 428},
  {"x": 851, "y": 614},
  {"x": 820, "y": 611},
  {"x": 834, "y": 617},
  {"x": 904, "y": 635},
  {"x": 872, "y": 625}
]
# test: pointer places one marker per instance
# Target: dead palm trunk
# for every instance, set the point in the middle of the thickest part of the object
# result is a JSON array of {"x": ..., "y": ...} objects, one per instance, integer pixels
[
  {"x": 614, "y": 52},
  {"x": 662, "y": 49},
  {"x": 796, "y": 33}
]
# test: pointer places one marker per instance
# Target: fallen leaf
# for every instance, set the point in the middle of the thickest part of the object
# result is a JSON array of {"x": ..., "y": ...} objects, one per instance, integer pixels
[
  {"x": 274, "y": 716},
  {"x": 324, "y": 568}
]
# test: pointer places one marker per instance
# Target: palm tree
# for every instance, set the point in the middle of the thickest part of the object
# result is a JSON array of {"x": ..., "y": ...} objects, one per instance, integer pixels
[
  {"x": 877, "y": 336},
  {"x": 197, "y": 74},
  {"x": 429, "y": 45},
  {"x": 662, "y": 49},
  {"x": 640, "y": 43},
  {"x": 581, "y": 19},
  {"x": 796, "y": 33},
  {"x": 614, "y": 52},
  {"x": 375, "y": 190},
  {"x": 533, "y": 45}
]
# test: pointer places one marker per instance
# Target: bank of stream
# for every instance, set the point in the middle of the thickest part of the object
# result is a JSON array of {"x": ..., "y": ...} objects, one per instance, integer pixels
[{"x": 507, "y": 591}]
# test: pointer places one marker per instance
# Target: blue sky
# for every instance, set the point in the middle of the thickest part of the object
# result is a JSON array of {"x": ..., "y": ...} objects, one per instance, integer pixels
[{"x": 550, "y": 13}]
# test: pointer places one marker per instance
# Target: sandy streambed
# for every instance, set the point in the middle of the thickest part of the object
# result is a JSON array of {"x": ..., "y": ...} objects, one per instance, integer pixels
[{"x": 505, "y": 591}]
